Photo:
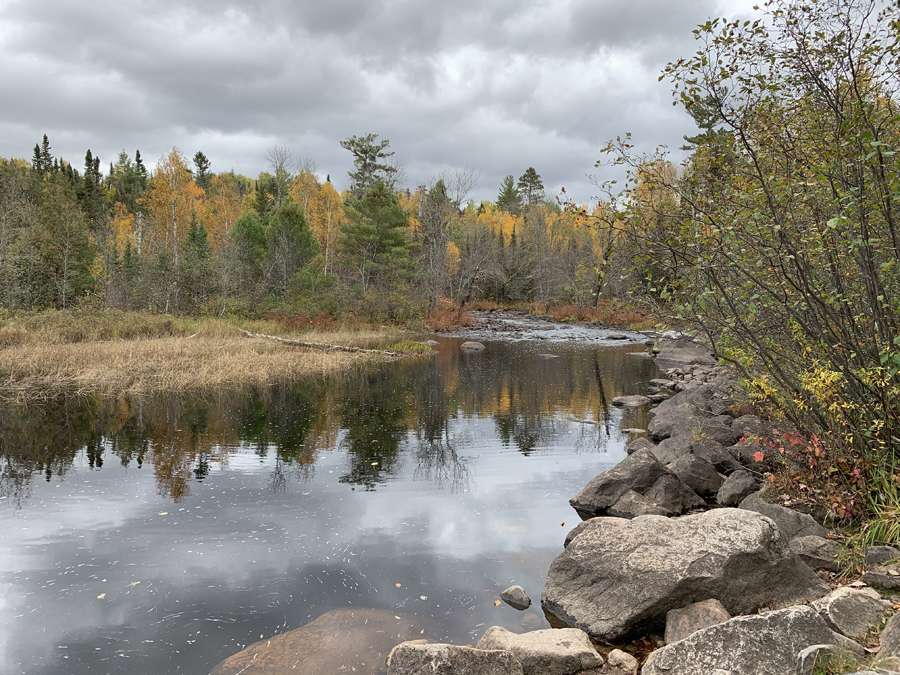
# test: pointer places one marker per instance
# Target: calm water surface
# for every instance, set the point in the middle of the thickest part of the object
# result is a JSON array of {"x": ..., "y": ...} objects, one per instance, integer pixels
[{"x": 164, "y": 535}]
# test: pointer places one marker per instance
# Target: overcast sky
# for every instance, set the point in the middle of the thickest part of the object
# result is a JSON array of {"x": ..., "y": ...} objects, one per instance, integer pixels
[{"x": 498, "y": 85}]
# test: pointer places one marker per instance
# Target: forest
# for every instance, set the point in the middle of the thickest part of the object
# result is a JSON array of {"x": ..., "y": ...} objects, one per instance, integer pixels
[{"x": 184, "y": 239}]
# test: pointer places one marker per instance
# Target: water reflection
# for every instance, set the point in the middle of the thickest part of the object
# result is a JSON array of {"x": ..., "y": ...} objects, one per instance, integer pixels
[{"x": 241, "y": 514}]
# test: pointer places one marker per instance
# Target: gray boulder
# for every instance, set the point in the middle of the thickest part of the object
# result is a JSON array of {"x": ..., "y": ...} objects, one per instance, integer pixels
[
  {"x": 716, "y": 454},
  {"x": 850, "y": 612},
  {"x": 791, "y": 523},
  {"x": 699, "y": 398},
  {"x": 746, "y": 454},
  {"x": 736, "y": 488},
  {"x": 618, "y": 578},
  {"x": 471, "y": 346},
  {"x": 673, "y": 420},
  {"x": 697, "y": 474},
  {"x": 630, "y": 401},
  {"x": 620, "y": 663},
  {"x": 817, "y": 658},
  {"x": 516, "y": 597},
  {"x": 680, "y": 623},
  {"x": 764, "y": 644},
  {"x": 890, "y": 638},
  {"x": 886, "y": 577},
  {"x": 673, "y": 448},
  {"x": 632, "y": 505},
  {"x": 640, "y": 472},
  {"x": 546, "y": 652},
  {"x": 817, "y": 552},
  {"x": 638, "y": 444},
  {"x": 662, "y": 383},
  {"x": 440, "y": 659},
  {"x": 879, "y": 555}
]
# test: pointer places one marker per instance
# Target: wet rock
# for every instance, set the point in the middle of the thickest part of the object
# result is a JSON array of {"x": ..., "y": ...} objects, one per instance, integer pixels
[
  {"x": 516, "y": 597},
  {"x": 618, "y": 578},
  {"x": 471, "y": 346},
  {"x": 791, "y": 523},
  {"x": 356, "y": 640},
  {"x": 765, "y": 644},
  {"x": 850, "y": 612},
  {"x": 817, "y": 552},
  {"x": 630, "y": 401},
  {"x": 620, "y": 663},
  {"x": 546, "y": 652},
  {"x": 441, "y": 659},
  {"x": 717, "y": 455},
  {"x": 548, "y": 356},
  {"x": 639, "y": 444},
  {"x": 697, "y": 474},
  {"x": 681, "y": 623},
  {"x": 736, "y": 488},
  {"x": 886, "y": 577},
  {"x": 879, "y": 555}
]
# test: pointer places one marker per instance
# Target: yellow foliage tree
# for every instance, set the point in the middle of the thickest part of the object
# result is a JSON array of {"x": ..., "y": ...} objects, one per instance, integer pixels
[
  {"x": 222, "y": 209},
  {"x": 324, "y": 214},
  {"x": 172, "y": 196}
]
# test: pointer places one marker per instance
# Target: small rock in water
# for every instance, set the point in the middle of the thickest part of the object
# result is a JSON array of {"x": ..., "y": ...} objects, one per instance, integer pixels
[
  {"x": 471, "y": 346},
  {"x": 616, "y": 336},
  {"x": 516, "y": 597},
  {"x": 630, "y": 401},
  {"x": 548, "y": 356},
  {"x": 634, "y": 431},
  {"x": 432, "y": 343}
]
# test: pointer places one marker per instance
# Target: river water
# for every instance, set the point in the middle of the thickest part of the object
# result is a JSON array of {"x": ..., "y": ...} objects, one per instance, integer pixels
[{"x": 164, "y": 535}]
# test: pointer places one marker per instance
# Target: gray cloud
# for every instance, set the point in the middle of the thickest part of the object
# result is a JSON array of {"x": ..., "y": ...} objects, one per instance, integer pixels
[{"x": 498, "y": 85}]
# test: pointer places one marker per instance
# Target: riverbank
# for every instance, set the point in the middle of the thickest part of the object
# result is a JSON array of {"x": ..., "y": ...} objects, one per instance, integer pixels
[{"x": 126, "y": 353}]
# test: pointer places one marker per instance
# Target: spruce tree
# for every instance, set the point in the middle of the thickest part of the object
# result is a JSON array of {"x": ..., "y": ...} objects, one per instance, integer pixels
[
  {"x": 509, "y": 200},
  {"x": 530, "y": 187},
  {"x": 202, "y": 176}
]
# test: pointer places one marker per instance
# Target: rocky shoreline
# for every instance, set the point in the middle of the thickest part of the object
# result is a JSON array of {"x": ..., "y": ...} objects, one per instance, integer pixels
[{"x": 684, "y": 550}]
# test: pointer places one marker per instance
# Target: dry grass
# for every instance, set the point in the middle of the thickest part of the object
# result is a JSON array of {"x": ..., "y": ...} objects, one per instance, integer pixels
[
  {"x": 159, "y": 365},
  {"x": 607, "y": 313},
  {"x": 115, "y": 353},
  {"x": 448, "y": 317}
]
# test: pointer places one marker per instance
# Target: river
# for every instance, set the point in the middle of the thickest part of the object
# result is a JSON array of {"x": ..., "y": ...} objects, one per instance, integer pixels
[{"x": 164, "y": 535}]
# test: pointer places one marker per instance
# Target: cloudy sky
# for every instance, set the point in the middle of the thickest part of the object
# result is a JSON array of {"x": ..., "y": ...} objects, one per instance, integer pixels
[{"x": 498, "y": 85}]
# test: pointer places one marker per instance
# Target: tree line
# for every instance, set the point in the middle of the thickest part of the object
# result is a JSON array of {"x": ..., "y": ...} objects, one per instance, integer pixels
[{"x": 182, "y": 238}]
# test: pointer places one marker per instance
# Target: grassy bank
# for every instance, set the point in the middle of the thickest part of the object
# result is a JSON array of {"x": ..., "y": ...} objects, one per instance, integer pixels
[{"x": 115, "y": 353}]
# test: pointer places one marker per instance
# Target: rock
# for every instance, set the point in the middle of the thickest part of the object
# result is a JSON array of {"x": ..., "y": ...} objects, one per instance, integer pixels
[
  {"x": 662, "y": 383},
  {"x": 616, "y": 336},
  {"x": 717, "y": 428},
  {"x": 673, "y": 448},
  {"x": 673, "y": 496},
  {"x": 764, "y": 644},
  {"x": 817, "y": 552},
  {"x": 850, "y": 612},
  {"x": 637, "y": 472},
  {"x": 886, "y": 577},
  {"x": 675, "y": 420},
  {"x": 698, "y": 398},
  {"x": 633, "y": 430},
  {"x": 630, "y": 401},
  {"x": 432, "y": 343},
  {"x": 620, "y": 663},
  {"x": 356, "y": 640},
  {"x": 574, "y": 532},
  {"x": 735, "y": 488},
  {"x": 632, "y": 505},
  {"x": 548, "y": 356},
  {"x": 516, "y": 597},
  {"x": 716, "y": 454},
  {"x": 751, "y": 425},
  {"x": 617, "y": 578},
  {"x": 638, "y": 444},
  {"x": 686, "y": 355},
  {"x": 546, "y": 652},
  {"x": 441, "y": 659},
  {"x": 746, "y": 454},
  {"x": 816, "y": 658},
  {"x": 686, "y": 621},
  {"x": 890, "y": 638},
  {"x": 471, "y": 346},
  {"x": 697, "y": 474},
  {"x": 658, "y": 398},
  {"x": 791, "y": 523},
  {"x": 879, "y": 555}
]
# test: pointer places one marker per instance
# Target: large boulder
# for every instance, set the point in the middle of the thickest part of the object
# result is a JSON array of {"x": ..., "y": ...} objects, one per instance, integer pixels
[
  {"x": 350, "y": 640},
  {"x": 791, "y": 523},
  {"x": 673, "y": 448},
  {"x": 736, "y": 488},
  {"x": 697, "y": 474},
  {"x": 850, "y": 612},
  {"x": 441, "y": 659},
  {"x": 546, "y": 652},
  {"x": 618, "y": 578},
  {"x": 675, "y": 420},
  {"x": 638, "y": 474},
  {"x": 764, "y": 644}
]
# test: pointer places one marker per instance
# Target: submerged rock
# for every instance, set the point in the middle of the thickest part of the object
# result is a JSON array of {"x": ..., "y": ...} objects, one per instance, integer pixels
[
  {"x": 618, "y": 578},
  {"x": 630, "y": 401},
  {"x": 343, "y": 640},
  {"x": 471, "y": 346}
]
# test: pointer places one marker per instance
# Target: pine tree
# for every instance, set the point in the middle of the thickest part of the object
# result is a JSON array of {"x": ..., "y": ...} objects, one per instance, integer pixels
[
  {"x": 509, "y": 200},
  {"x": 367, "y": 152},
  {"x": 202, "y": 176},
  {"x": 530, "y": 187}
]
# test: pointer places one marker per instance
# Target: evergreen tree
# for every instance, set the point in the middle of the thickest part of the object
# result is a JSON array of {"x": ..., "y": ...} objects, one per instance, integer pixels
[
  {"x": 367, "y": 152},
  {"x": 290, "y": 245},
  {"x": 202, "y": 175},
  {"x": 509, "y": 200},
  {"x": 42, "y": 161},
  {"x": 530, "y": 187},
  {"x": 91, "y": 195}
]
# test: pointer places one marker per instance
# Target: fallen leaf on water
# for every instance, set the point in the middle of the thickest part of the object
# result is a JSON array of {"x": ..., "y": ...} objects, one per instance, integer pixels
[
  {"x": 374, "y": 463},
  {"x": 397, "y": 617},
  {"x": 562, "y": 524},
  {"x": 101, "y": 596},
  {"x": 423, "y": 597},
  {"x": 496, "y": 603},
  {"x": 398, "y": 585},
  {"x": 163, "y": 513},
  {"x": 134, "y": 583}
]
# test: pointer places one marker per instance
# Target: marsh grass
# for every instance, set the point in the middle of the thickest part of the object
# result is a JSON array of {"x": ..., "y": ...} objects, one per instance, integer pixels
[{"x": 128, "y": 353}]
